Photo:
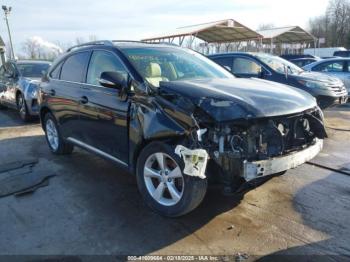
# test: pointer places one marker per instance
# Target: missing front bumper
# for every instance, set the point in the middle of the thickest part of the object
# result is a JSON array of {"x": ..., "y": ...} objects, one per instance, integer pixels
[{"x": 275, "y": 165}]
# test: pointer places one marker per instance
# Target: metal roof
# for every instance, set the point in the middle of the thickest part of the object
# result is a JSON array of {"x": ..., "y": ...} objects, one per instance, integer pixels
[
  {"x": 288, "y": 34},
  {"x": 227, "y": 30}
]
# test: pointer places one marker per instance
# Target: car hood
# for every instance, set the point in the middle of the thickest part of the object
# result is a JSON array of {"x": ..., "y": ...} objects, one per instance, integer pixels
[
  {"x": 237, "y": 98},
  {"x": 319, "y": 77}
]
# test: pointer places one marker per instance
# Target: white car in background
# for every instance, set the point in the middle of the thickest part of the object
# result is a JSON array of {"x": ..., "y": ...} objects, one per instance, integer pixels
[{"x": 337, "y": 66}]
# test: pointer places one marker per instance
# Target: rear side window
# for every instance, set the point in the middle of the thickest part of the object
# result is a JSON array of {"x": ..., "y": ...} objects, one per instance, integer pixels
[
  {"x": 224, "y": 61},
  {"x": 74, "y": 67}
]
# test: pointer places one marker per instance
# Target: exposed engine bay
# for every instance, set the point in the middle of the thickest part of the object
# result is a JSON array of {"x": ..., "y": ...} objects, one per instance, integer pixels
[{"x": 234, "y": 146}]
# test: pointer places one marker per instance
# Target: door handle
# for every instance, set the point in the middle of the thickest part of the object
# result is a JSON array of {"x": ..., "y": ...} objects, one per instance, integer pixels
[
  {"x": 52, "y": 92},
  {"x": 84, "y": 100}
]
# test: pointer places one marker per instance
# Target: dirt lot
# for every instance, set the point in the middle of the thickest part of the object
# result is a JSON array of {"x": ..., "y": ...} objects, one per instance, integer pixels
[{"x": 91, "y": 207}]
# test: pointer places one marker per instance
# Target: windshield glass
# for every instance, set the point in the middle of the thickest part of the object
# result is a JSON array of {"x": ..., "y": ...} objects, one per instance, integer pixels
[
  {"x": 172, "y": 64},
  {"x": 279, "y": 65},
  {"x": 32, "y": 69}
]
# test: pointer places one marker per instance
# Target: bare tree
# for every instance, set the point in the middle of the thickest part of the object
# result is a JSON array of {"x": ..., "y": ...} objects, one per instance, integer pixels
[
  {"x": 31, "y": 49},
  {"x": 334, "y": 25}
]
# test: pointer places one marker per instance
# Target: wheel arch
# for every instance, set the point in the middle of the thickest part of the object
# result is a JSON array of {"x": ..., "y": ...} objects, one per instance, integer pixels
[
  {"x": 18, "y": 93},
  {"x": 43, "y": 111},
  {"x": 172, "y": 140}
]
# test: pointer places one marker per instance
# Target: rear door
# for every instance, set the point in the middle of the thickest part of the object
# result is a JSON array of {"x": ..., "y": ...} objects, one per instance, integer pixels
[
  {"x": 103, "y": 112},
  {"x": 64, "y": 92}
]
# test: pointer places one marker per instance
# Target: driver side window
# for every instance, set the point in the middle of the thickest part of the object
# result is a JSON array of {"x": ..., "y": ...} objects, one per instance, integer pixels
[
  {"x": 245, "y": 66},
  {"x": 102, "y": 61}
]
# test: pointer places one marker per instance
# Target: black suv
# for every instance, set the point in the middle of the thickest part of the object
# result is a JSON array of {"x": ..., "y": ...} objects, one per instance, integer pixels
[{"x": 175, "y": 119}]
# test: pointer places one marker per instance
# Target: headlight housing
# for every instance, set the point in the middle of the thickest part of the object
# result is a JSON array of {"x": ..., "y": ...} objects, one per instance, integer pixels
[
  {"x": 314, "y": 84},
  {"x": 33, "y": 90}
]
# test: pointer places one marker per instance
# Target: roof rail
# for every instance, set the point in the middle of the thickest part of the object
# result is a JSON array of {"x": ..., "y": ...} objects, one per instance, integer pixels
[
  {"x": 99, "y": 42},
  {"x": 110, "y": 43},
  {"x": 126, "y": 41},
  {"x": 144, "y": 42}
]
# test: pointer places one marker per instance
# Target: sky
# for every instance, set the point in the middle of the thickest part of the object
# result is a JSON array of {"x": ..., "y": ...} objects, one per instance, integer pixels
[{"x": 66, "y": 20}]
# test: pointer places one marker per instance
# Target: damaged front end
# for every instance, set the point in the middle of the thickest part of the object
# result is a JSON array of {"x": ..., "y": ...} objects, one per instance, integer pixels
[
  {"x": 260, "y": 147},
  {"x": 250, "y": 145}
]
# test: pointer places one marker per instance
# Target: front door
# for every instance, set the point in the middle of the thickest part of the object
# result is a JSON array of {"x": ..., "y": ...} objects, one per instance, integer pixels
[{"x": 103, "y": 113}]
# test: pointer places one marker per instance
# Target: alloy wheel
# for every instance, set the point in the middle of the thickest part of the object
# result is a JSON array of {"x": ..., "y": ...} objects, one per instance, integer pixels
[
  {"x": 21, "y": 105},
  {"x": 52, "y": 134},
  {"x": 164, "y": 179}
]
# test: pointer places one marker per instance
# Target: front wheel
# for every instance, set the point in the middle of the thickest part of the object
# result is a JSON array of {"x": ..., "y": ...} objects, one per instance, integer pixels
[
  {"x": 22, "y": 108},
  {"x": 162, "y": 183},
  {"x": 53, "y": 137}
]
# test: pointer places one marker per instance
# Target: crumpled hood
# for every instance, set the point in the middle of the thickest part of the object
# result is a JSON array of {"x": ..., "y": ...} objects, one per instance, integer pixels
[
  {"x": 315, "y": 76},
  {"x": 237, "y": 98}
]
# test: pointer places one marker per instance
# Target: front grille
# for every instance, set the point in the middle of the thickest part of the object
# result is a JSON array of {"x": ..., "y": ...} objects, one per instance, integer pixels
[{"x": 339, "y": 90}]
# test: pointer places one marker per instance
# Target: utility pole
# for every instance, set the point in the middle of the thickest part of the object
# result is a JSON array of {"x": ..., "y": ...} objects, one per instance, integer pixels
[{"x": 7, "y": 11}]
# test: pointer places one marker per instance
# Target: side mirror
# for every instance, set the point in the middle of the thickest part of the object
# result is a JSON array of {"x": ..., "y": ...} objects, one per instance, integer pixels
[
  {"x": 261, "y": 73},
  {"x": 114, "y": 80}
]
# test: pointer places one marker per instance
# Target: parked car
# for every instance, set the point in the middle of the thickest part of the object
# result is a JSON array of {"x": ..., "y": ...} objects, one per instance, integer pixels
[
  {"x": 303, "y": 61},
  {"x": 336, "y": 67},
  {"x": 342, "y": 53},
  {"x": 327, "y": 90},
  {"x": 175, "y": 119},
  {"x": 19, "y": 86},
  {"x": 290, "y": 57},
  {"x": 323, "y": 51}
]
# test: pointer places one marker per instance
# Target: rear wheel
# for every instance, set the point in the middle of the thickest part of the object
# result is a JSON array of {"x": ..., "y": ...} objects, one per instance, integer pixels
[
  {"x": 162, "y": 183},
  {"x": 54, "y": 139},
  {"x": 22, "y": 108}
]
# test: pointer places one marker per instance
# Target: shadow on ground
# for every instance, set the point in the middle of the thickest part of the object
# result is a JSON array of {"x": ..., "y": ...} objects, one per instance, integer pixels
[
  {"x": 11, "y": 118},
  {"x": 92, "y": 207}
]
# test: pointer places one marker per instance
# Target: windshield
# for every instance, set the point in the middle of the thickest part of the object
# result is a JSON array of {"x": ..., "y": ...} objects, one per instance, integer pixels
[
  {"x": 279, "y": 65},
  {"x": 32, "y": 69},
  {"x": 172, "y": 64}
]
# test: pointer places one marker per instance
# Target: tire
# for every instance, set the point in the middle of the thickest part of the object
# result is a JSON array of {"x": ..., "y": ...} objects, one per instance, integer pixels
[
  {"x": 190, "y": 190},
  {"x": 54, "y": 138},
  {"x": 22, "y": 108}
]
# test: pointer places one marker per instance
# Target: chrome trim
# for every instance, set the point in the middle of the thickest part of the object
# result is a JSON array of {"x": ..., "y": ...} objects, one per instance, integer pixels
[
  {"x": 106, "y": 82},
  {"x": 95, "y": 150}
]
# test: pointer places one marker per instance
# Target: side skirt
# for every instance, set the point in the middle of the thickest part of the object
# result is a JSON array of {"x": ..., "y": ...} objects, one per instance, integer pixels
[{"x": 97, "y": 151}]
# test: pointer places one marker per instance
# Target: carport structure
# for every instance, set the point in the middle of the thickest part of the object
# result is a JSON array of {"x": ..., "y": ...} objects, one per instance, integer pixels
[
  {"x": 218, "y": 32},
  {"x": 286, "y": 36}
]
